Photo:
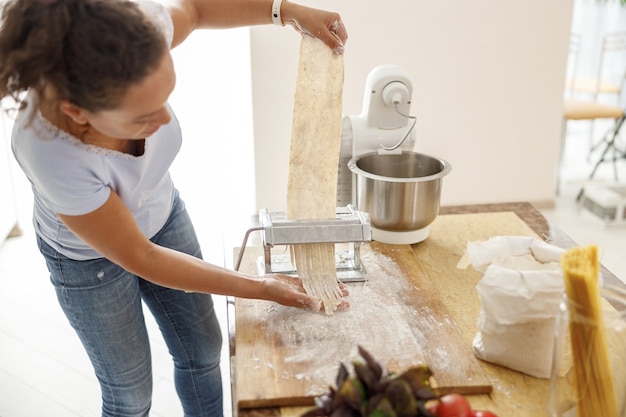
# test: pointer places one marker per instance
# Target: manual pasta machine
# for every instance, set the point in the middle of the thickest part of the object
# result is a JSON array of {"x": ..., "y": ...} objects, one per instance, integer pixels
[{"x": 347, "y": 231}]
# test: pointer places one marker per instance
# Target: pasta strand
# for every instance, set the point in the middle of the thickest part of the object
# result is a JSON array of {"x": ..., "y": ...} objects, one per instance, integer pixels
[{"x": 593, "y": 376}]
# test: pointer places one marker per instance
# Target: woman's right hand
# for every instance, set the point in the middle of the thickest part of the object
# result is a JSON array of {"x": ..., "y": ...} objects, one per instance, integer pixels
[
  {"x": 324, "y": 25},
  {"x": 289, "y": 291}
]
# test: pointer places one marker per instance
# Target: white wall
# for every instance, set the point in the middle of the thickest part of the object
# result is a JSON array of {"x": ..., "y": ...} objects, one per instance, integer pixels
[
  {"x": 214, "y": 168},
  {"x": 487, "y": 78}
]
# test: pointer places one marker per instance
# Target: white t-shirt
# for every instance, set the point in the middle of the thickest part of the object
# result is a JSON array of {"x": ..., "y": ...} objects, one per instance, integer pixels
[{"x": 73, "y": 178}]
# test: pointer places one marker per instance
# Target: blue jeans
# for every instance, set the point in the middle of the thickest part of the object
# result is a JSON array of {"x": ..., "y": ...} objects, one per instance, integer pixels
[{"x": 103, "y": 304}]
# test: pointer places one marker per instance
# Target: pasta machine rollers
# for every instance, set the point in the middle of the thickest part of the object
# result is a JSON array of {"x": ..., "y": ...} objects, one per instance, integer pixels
[{"x": 347, "y": 231}]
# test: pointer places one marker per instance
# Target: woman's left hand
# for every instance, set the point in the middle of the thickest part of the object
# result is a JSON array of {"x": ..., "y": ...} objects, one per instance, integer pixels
[{"x": 324, "y": 25}]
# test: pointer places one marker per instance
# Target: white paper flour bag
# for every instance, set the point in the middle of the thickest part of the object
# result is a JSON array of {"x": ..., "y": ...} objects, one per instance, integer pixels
[{"x": 520, "y": 293}]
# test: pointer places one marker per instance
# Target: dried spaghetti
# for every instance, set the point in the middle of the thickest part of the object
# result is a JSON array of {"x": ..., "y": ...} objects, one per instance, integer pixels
[{"x": 593, "y": 376}]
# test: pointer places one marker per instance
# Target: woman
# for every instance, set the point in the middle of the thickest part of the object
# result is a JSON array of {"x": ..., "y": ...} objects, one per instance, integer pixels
[{"x": 95, "y": 137}]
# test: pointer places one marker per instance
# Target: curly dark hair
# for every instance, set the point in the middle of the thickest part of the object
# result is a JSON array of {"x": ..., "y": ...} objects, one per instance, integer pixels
[{"x": 90, "y": 51}]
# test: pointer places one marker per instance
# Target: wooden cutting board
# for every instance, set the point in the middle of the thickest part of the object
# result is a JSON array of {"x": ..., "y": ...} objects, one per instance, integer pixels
[{"x": 416, "y": 307}]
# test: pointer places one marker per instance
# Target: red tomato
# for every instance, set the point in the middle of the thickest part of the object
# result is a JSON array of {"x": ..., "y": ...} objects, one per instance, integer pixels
[
  {"x": 454, "y": 405},
  {"x": 482, "y": 413}
]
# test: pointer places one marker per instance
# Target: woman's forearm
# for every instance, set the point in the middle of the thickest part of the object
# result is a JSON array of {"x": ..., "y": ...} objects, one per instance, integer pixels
[{"x": 178, "y": 270}]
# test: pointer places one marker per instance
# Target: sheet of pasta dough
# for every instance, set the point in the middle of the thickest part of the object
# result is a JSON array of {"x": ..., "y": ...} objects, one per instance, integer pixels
[
  {"x": 313, "y": 162},
  {"x": 316, "y": 133}
]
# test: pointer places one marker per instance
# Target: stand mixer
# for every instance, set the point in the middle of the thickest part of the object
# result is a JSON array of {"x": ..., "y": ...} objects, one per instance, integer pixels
[{"x": 378, "y": 171}]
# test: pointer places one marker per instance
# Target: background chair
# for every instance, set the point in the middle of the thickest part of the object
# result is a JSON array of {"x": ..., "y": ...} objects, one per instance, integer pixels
[
  {"x": 592, "y": 110},
  {"x": 610, "y": 73},
  {"x": 606, "y": 86},
  {"x": 600, "y": 96}
]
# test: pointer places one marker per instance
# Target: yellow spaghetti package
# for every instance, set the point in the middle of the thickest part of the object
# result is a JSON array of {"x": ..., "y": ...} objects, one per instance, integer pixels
[{"x": 594, "y": 315}]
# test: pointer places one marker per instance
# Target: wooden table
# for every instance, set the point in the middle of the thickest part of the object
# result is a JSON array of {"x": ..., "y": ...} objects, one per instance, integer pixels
[{"x": 433, "y": 262}]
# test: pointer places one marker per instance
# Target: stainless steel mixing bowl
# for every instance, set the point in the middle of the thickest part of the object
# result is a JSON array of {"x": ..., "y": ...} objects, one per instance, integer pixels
[{"x": 400, "y": 192}]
